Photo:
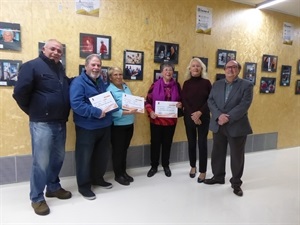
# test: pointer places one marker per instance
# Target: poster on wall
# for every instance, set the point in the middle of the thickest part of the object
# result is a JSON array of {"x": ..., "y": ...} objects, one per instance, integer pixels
[
  {"x": 203, "y": 20},
  {"x": 87, "y": 7},
  {"x": 133, "y": 65},
  {"x": 10, "y": 36},
  {"x": 267, "y": 85},
  {"x": 288, "y": 33},
  {"x": 285, "y": 76},
  {"x": 166, "y": 52},
  {"x": 63, "y": 57},
  {"x": 9, "y": 72}
]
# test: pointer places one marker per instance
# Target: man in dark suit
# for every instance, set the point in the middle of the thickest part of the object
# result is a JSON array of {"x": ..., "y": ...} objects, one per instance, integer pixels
[{"x": 229, "y": 101}]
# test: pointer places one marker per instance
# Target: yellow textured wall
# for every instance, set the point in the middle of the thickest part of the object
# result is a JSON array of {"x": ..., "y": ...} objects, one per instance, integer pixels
[{"x": 135, "y": 25}]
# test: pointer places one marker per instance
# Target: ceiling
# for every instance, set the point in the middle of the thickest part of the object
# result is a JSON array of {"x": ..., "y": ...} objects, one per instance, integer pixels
[{"x": 290, "y": 7}]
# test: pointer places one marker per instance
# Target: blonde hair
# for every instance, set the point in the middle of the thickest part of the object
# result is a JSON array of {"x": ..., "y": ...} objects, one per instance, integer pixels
[
  {"x": 113, "y": 69},
  {"x": 203, "y": 72}
]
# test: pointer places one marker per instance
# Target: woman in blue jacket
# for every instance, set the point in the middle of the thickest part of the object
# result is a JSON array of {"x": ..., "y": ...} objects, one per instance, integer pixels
[{"x": 122, "y": 128}]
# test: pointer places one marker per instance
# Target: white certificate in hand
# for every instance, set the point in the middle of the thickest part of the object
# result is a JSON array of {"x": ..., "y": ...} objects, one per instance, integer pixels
[
  {"x": 133, "y": 102},
  {"x": 166, "y": 109},
  {"x": 104, "y": 101}
]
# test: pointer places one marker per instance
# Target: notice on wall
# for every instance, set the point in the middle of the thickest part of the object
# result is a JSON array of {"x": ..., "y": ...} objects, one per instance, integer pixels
[
  {"x": 203, "y": 20},
  {"x": 287, "y": 33},
  {"x": 87, "y": 7}
]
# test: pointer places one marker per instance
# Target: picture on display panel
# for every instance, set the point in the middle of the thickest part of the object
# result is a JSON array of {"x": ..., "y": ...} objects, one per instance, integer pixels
[
  {"x": 63, "y": 57},
  {"x": 9, "y": 70},
  {"x": 224, "y": 56},
  {"x": 250, "y": 72},
  {"x": 298, "y": 67},
  {"x": 220, "y": 76},
  {"x": 285, "y": 76},
  {"x": 166, "y": 52},
  {"x": 267, "y": 85},
  {"x": 10, "y": 36},
  {"x": 133, "y": 65},
  {"x": 269, "y": 63},
  {"x": 297, "y": 92},
  {"x": 95, "y": 44}
]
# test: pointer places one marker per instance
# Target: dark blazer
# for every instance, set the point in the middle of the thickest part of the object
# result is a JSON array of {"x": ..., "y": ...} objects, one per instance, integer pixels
[{"x": 236, "y": 106}]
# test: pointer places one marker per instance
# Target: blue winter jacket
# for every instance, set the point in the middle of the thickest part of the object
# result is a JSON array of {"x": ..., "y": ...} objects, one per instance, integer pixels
[
  {"x": 42, "y": 90},
  {"x": 84, "y": 114}
]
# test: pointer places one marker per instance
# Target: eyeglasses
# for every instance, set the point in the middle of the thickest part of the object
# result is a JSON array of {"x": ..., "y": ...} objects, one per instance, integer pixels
[{"x": 231, "y": 67}]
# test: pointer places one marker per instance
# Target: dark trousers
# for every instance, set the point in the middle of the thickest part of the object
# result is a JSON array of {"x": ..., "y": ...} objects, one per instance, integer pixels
[
  {"x": 91, "y": 155},
  {"x": 192, "y": 132},
  {"x": 120, "y": 141},
  {"x": 237, "y": 156},
  {"x": 161, "y": 138}
]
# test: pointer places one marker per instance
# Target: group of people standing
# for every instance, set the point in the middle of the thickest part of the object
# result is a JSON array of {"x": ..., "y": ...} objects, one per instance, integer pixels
[{"x": 46, "y": 94}]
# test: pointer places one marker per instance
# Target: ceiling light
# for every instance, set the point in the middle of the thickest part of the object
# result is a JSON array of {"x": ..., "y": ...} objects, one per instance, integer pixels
[{"x": 267, "y": 3}]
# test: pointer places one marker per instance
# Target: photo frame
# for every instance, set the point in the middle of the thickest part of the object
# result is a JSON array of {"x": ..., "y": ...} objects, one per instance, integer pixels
[
  {"x": 269, "y": 63},
  {"x": 157, "y": 75},
  {"x": 224, "y": 56},
  {"x": 285, "y": 76},
  {"x": 166, "y": 52},
  {"x": 103, "y": 75},
  {"x": 204, "y": 60},
  {"x": 297, "y": 91},
  {"x": 10, "y": 36},
  {"x": 63, "y": 57},
  {"x": 133, "y": 65},
  {"x": 250, "y": 72},
  {"x": 220, "y": 76},
  {"x": 298, "y": 67},
  {"x": 267, "y": 85},
  {"x": 95, "y": 44},
  {"x": 9, "y": 70}
]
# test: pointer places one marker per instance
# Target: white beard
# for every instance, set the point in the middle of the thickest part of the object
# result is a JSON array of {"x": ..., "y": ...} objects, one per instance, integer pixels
[{"x": 94, "y": 75}]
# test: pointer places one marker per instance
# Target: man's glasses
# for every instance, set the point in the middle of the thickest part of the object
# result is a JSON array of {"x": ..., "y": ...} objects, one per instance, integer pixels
[{"x": 231, "y": 67}]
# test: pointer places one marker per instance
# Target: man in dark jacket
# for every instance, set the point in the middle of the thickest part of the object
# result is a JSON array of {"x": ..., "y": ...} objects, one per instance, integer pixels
[{"x": 42, "y": 92}]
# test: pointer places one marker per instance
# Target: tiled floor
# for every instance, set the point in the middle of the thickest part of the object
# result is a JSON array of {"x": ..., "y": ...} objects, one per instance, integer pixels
[{"x": 271, "y": 197}]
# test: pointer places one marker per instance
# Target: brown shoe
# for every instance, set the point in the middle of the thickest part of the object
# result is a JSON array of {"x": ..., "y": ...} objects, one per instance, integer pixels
[
  {"x": 40, "y": 208},
  {"x": 60, "y": 194}
]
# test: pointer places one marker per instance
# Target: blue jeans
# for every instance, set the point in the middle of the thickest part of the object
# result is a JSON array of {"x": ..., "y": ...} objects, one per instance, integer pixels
[{"x": 48, "y": 153}]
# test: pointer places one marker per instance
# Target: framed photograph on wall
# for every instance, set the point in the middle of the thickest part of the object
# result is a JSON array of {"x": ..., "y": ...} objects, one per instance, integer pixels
[
  {"x": 133, "y": 65},
  {"x": 166, "y": 52},
  {"x": 9, "y": 70},
  {"x": 250, "y": 72},
  {"x": 224, "y": 56},
  {"x": 267, "y": 85},
  {"x": 298, "y": 67},
  {"x": 158, "y": 75},
  {"x": 10, "y": 36},
  {"x": 297, "y": 92},
  {"x": 103, "y": 75},
  {"x": 269, "y": 63},
  {"x": 285, "y": 76},
  {"x": 95, "y": 44},
  {"x": 220, "y": 76},
  {"x": 204, "y": 60},
  {"x": 63, "y": 57}
]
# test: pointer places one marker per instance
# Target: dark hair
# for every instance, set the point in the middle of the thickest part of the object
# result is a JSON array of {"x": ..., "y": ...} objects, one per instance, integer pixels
[
  {"x": 166, "y": 64},
  {"x": 238, "y": 64}
]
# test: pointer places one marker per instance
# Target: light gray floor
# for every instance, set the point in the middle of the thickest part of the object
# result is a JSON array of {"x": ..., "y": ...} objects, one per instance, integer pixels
[{"x": 271, "y": 197}]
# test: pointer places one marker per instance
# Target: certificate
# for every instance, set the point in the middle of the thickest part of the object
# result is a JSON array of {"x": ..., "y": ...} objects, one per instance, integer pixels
[
  {"x": 166, "y": 109},
  {"x": 133, "y": 102},
  {"x": 104, "y": 101}
]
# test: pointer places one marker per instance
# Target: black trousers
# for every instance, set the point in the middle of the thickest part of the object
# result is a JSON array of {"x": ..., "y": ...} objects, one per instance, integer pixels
[
  {"x": 161, "y": 139},
  {"x": 237, "y": 156},
  {"x": 120, "y": 141},
  {"x": 91, "y": 155},
  {"x": 193, "y": 132}
]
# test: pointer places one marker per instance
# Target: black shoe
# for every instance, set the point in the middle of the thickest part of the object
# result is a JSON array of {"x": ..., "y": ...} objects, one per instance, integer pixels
[
  {"x": 192, "y": 175},
  {"x": 102, "y": 183},
  {"x": 122, "y": 180},
  {"x": 238, "y": 191},
  {"x": 213, "y": 181},
  {"x": 167, "y": 171},
  {"x": 129, "y": 178},
  {"x": 199, "y": 180},
  {"x": 88, "y": 194},
  {"x": 151, "y": 172}
]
